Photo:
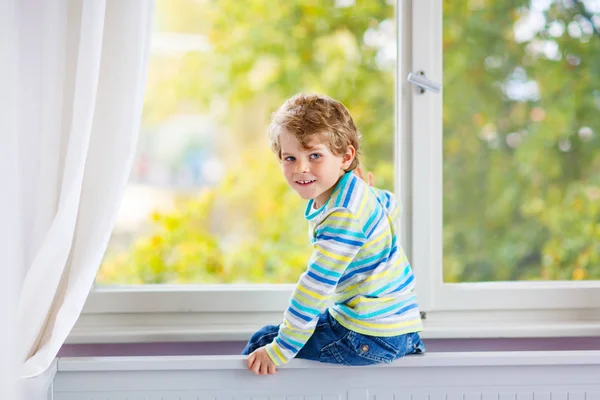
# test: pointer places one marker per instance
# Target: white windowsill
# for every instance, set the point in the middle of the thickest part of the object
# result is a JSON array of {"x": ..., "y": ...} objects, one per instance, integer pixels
[
  {"x": 168, "y": 328},
  {"x": 480, "y": 359},
  {"x": 234, "y": 313}
]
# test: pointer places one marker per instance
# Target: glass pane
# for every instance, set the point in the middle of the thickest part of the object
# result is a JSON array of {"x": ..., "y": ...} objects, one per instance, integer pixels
[
  {"x": 207, "y": 202},
  {"x": 521, "y": 140}
]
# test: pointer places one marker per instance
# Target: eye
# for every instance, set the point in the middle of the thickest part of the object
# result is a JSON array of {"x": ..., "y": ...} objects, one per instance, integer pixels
[
  {"x": 315, "y": 156},
  {"x": 289, "y": 158}
]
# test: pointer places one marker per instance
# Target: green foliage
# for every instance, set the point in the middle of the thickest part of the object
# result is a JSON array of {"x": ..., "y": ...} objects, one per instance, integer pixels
[
  {"x": 530, "y": 210},
  {"x": 521, "y": 182},
  {"x": 250, "y": 228},
  {"x": 263, "y": 53}
]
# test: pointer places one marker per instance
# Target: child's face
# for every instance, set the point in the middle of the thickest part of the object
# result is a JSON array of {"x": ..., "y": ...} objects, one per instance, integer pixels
[{"x": 315, "y": 171}]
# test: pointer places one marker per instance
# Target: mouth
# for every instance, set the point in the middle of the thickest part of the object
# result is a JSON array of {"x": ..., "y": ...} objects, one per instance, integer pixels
[{"x": 305, "y": 183}]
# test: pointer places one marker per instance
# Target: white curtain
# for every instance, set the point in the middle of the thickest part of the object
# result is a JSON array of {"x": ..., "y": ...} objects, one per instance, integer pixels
[
  {"x": 76, "y": 79},
  {"x": 9, "y": 253}
]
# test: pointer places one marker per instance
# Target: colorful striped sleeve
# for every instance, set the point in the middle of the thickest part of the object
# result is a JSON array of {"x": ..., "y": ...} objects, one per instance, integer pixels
[
  {"x": 388, "y": 200},
  {"x": 337, "y": 241}
]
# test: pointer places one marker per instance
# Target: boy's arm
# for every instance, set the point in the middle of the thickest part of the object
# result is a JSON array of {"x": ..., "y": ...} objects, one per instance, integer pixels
[{"x": 338, "y": 239}]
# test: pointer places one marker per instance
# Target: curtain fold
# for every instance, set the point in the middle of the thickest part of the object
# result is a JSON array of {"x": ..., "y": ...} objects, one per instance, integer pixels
[
  {"x": 9, "y": 204},
  {"x": 78, "y": 93}
]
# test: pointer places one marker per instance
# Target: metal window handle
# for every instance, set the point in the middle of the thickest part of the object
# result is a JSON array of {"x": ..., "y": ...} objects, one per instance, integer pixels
[{"x": 422, "y": 83}]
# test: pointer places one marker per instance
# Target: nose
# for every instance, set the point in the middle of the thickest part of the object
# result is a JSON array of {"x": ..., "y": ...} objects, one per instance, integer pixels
[{"x": 302, "y": 166}]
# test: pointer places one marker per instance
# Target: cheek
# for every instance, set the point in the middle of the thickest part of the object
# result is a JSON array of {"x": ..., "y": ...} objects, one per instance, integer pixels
[{"x": 287, "y": 171}]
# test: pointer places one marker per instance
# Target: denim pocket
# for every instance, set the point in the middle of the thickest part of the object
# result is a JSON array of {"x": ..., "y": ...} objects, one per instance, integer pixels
[
  {"x": 357, "y": 349},
  {"x": 375, "y": 349}
]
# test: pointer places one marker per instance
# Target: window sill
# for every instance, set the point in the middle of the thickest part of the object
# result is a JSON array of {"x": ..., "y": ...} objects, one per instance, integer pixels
[
  {"x": 224, "y": 362},
  {"x": 225, "y": 324},
  {"x": 515, "y": 323},
  {"x": 223, "y": 313}
]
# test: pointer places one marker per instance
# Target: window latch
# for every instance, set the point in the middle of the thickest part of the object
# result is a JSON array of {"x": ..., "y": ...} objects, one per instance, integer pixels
[{"x": 422, "y": 83}]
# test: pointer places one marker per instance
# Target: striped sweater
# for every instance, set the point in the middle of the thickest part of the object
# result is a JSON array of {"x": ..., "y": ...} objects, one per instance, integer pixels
[{"x": 357, "y": 268}]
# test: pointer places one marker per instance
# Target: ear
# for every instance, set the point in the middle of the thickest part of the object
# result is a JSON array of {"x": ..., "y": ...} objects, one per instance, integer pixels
[{"x": 348, "y": 157}]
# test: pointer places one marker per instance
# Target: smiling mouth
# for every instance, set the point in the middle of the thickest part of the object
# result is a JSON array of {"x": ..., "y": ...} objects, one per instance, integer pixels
[{"x": 305, "y": 183}]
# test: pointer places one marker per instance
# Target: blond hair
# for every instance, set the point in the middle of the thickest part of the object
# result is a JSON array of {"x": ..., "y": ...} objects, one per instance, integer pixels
[{"x": 306, "y": 115}]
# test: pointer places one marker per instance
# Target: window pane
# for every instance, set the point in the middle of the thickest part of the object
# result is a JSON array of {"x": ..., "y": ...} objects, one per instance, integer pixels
[
  {"x": 521, "y": 140},
  {"x": 206, "y": 202}
]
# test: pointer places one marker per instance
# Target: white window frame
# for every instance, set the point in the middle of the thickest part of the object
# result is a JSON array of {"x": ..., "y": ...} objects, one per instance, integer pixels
[
  {"x": 550, "y": 297},
  {"x": 155, "y": 313}
]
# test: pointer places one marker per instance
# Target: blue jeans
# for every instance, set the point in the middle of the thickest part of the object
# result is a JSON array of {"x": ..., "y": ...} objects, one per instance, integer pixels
[{"x": 335, "y": 344}]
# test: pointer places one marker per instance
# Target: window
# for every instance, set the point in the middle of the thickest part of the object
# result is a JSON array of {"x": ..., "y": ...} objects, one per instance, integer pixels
[
  {"x": 207, "y": 202},
  {"x": 510, "y": 217},
  {"x": 500, "y": 173}
]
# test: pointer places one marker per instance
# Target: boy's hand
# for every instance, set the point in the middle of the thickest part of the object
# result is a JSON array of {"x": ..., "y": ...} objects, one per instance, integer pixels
[
  {"x": 359, "y": 172},
  {"x": 260, "y": 363}
]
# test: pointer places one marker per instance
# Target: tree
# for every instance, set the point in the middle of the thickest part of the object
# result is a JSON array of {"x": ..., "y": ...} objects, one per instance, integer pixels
[
  {"x": 521, "y": 170},
  {"x": 298, "y": 46},
  {"x": 521, "y": 135}
]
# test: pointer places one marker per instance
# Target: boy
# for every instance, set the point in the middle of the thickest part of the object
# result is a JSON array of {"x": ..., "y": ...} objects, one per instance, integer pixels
[{"x": 357, "y": 263}]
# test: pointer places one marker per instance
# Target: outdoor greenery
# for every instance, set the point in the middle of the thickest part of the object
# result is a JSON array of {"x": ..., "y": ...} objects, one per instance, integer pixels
[{"x": 521, "y": 135}]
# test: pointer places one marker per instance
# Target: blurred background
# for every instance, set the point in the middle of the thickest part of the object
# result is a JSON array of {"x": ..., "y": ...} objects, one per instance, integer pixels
[{"x": 207, "y": 203}]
